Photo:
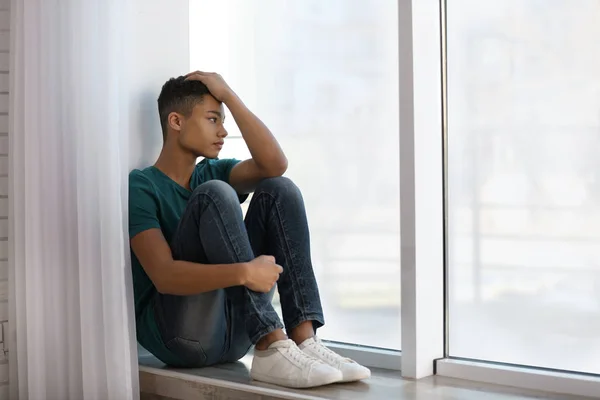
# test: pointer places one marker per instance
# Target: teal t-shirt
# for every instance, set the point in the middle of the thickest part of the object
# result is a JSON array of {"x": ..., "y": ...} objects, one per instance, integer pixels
[{"x": 156, "y": 201}]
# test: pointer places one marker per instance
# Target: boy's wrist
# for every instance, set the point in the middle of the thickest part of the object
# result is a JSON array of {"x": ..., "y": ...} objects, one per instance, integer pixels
[
  {"x": 242, "y": 273},
  {"x": 231, "y": 98}
]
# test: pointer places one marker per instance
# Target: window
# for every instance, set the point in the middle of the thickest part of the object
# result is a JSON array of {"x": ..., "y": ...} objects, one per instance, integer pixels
[
  {"x": 524, "y": 182},
  {"x": 323, "y": 75}
]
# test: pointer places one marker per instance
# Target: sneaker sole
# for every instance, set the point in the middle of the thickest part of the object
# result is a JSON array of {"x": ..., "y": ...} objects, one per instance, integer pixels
[
  {"x": 356, "y": 377},
  {"x": 327, "y": 380}
]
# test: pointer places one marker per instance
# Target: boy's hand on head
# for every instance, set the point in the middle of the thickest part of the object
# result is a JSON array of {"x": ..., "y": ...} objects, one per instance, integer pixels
[{"x": 214, "y": 82}]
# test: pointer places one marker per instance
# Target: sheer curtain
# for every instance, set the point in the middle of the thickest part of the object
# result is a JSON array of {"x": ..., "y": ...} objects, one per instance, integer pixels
[{"x": 71, "y": 322}]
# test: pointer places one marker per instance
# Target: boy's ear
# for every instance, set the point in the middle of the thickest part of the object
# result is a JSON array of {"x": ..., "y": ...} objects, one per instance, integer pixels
[{"x": 175, "y": 121}]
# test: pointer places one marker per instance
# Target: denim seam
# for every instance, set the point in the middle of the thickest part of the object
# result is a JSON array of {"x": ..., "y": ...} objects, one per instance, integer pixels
[
  {"x": 285, "y": 239},
  {"x": 232, "y": 244}
]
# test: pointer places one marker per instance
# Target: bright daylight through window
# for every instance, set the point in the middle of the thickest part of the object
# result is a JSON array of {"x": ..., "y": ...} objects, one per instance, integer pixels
[
  {"x": 524, "y": 182},
  {"x": 323, "y": 75}
]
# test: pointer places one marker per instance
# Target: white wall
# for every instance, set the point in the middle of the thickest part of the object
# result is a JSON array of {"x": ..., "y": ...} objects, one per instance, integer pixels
[
  {"x": 161, "y": 51},
  {"x": 4, "y": 84}
]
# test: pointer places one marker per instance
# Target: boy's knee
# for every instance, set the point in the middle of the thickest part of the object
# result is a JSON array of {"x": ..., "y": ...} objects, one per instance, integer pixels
[
  {"x": 218, "y": 191},
  {"x": 279, "y": 185}
]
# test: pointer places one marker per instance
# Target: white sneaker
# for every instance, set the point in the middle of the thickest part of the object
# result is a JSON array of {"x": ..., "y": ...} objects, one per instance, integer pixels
[
  {"x": 284, "y": 364},
  {"x": 351, "y": 370}
]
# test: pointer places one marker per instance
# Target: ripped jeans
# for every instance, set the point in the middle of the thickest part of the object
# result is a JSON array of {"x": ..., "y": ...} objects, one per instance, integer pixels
[{"x": 220, "y": 326}]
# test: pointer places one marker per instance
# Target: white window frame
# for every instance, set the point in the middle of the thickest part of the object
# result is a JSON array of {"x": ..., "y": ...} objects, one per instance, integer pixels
[
  {"x": 369, "y": 356},
  {"x": 421, "y": 186},
  {"x": 525, "y": 377},
  {"x": 421, "y": 197},
  {"x": 423, "y": 139},
  {"x": 568, "y": 383}
]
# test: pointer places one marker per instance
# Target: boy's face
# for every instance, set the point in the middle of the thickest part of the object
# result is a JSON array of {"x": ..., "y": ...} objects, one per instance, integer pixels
[{"x": 202, "y": 133}]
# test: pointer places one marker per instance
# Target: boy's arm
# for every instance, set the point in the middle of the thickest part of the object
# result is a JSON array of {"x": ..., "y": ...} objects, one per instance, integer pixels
[
  {"x": 268, "y": 159},
  {"x": 180, "y": 277},
  {"x": 184, "y": 278}
]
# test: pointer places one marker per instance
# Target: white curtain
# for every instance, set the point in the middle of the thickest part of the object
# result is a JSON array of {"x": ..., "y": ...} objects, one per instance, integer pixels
[{"x": 71, "y": 321}]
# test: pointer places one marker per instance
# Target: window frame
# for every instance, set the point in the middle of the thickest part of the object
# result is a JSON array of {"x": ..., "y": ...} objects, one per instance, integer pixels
[
  {"x": 521, "y": 376},
  {"x": 421, "y": 197},
  {"x": 423, "y": 187}
]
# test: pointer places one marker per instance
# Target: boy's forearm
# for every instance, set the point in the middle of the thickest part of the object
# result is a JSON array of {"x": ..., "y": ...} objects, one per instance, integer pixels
[
  {"x": 263, "y": 146},
  {"x": 183, "y": 278}
]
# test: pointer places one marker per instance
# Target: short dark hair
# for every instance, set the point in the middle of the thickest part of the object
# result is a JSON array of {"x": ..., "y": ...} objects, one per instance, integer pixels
[{"x": 179, "y": 95}]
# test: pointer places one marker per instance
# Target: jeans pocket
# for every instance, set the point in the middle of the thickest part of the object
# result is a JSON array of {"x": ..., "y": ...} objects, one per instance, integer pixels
[{"x": 190, "y": 352}]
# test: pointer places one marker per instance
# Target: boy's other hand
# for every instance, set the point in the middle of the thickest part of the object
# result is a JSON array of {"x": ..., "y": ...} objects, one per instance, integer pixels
[
  {"x": 214, "y": 82},
  {"x": 262, "y": 273}
]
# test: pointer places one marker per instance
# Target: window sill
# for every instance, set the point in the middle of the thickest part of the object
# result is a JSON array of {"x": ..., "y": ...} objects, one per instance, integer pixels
[
  {"x": 232, "y": 381},
  {"x": 564, "y": 383},
  {"x": 368, "y": 356}
]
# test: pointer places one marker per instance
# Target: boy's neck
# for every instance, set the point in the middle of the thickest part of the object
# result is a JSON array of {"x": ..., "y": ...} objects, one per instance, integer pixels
[{"x": 176, "y": 165}]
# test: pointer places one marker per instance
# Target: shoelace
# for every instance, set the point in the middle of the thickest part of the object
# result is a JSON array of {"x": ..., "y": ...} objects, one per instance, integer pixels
[
  {"x": 327, "y": 353},
  {"x": 303, "y": 359}
]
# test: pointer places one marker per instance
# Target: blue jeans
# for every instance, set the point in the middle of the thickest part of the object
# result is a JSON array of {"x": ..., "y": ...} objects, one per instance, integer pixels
[{"x": 220, "y": 326}]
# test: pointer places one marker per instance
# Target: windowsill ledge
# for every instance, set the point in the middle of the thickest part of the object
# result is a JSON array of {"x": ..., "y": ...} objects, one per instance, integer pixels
[{"x": 232, "y": 381}]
